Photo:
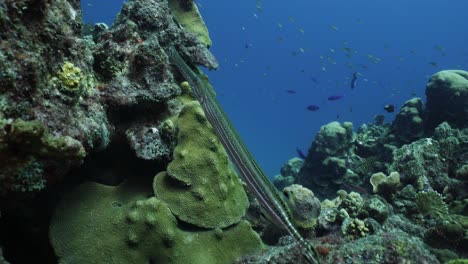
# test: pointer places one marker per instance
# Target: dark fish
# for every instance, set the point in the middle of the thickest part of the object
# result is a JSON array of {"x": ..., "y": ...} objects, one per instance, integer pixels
[
  {"x": 290, "y": 91},
  {"x": 353, "y": 80},
  {"x": 335, "y": 97},
  {"x": 313, "y": 79},
  {"x": 355, "y": 188},
  {"x": 389, "y": 108},
  {"x": 313, "y": 108},
  {"x": 300, "y": 153}
]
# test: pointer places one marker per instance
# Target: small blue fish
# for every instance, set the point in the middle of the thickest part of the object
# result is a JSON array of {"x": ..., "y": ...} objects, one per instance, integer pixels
[
  {"x": 290, "y": 91},
  {"x": 313, "y": 108},
  {"x": 300, "y": 153},
  {"x": 335, "y": 97}
]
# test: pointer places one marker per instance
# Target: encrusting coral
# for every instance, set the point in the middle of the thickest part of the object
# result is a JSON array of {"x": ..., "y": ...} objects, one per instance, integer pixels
[{"x": 103, "y": 224}]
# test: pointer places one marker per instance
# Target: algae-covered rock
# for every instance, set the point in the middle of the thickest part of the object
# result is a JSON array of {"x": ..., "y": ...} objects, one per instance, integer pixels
[
  {"x": 27, "y": 149},
  {"x": 289, "y": 173},
  {"x": 325, "y": 167},
  {"x": 383, "y": 184},
  {"x": 333, "y": 138},
  {"x": 281, "y": 181},
  {"x": 186, "y": 13},
  {"x": 147, "y": 142},
  {"x": 292, "y": 167},
  {"x": 408, "y": 124},
  {"x": 353, "y": 203},
  {"x": 377, "y": 209},
  {"x": 387, "y": 247},
  {"x": 34, "y": 138},
  {"x": 447, "y": 99},
  {"x": 304, "y": 205},
  {"x": 51, "y": 111},
  {"x": 200, "y": 186},
  {"x": 421, "y": 162},
  {"x": 21, "y": 175},
  {"x": 102, "y": 224}
]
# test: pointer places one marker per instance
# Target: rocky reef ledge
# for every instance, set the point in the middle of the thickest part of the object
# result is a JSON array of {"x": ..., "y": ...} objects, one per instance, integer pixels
[{"x": 105, "y": 155}]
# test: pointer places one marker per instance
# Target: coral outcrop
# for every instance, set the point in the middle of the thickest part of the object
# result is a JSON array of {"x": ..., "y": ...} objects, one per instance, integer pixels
[
  {"x": 67, "y": 94},
  {"x": 47, "y": 94},
  {"x": 447, "y": 99},
  {"x": 409, "y": 124},
  {"x": 383, "y": 184},
  {"x": 305, "y": 206},
  {"x": 326, "y": 165},
  {"x": 289, "y": 173}
]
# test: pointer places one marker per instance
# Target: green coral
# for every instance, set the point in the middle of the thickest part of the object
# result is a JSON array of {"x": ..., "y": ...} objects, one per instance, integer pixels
[
  {"x": 353, "y": 203},
  {"x": 123, "y": 226},
  {"x": 383, "y": 184},
  {"x": 431, "y": 203},
  {"x": 200, "y": 186},
  {"x": 354, "y": 228}
]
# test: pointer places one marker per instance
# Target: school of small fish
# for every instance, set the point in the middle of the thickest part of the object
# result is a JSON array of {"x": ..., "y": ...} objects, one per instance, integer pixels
[{"x": 328, "y": 59}]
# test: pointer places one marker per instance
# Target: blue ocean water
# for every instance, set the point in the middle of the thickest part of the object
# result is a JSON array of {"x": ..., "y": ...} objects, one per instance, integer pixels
[{"x": 313, "y": 48}]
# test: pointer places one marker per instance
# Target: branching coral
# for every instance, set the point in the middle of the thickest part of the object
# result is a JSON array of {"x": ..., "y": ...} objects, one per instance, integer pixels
[{"x": 354, "y": 228}]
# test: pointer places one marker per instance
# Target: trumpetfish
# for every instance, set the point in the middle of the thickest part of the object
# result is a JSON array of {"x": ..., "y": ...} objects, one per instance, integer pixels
[{"x": 256, "y": 180}]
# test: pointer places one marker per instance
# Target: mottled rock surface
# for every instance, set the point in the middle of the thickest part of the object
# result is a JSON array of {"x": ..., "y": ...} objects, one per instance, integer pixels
[{"x": 447, "y": 99}]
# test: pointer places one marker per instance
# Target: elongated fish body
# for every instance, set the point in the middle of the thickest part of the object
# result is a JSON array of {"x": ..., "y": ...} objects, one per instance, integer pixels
[
  {"x": 354, "y": 80},
  {"x": 258, "y": 183}
]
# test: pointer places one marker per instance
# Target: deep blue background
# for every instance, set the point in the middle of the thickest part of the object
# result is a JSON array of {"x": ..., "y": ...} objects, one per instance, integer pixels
[{"x": 260, "y": 57}]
